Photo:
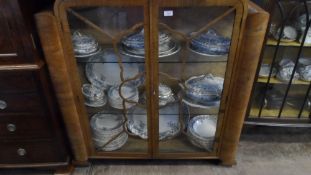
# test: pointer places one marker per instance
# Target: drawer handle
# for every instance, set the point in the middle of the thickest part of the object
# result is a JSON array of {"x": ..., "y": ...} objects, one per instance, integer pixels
[
  {"x": 11, "y": 127},
  {"x": 21, "y": 152},
  {"x": 3, "y": 105},
  {"x": 8, "y": 54}
]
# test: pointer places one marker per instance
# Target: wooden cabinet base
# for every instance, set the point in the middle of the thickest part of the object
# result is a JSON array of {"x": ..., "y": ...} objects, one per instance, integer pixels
[{"x": 65, "y": 170}]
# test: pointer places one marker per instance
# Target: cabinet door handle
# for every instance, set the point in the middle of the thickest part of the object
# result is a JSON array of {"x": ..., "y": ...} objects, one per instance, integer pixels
[
  {"x": 3, "y": 105},
  {"x": 11, "y": 127},
  {"x": 21, "y": 152}
]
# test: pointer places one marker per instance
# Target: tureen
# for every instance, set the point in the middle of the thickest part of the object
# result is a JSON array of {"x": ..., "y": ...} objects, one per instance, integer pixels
[
  {"x": 204, "y": 88},
  {"x": 84, "y": 44},
  {"x": 211, "y": 43}
]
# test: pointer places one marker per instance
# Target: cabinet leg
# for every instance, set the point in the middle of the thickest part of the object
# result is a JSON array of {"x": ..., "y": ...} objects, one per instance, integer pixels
[
  {"x": 68, "y": 170},
  {"x": 228, "y": 163}
]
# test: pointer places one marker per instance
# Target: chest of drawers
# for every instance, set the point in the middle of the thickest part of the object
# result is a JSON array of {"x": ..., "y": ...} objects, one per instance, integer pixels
[{"x": 31, "y": 131}]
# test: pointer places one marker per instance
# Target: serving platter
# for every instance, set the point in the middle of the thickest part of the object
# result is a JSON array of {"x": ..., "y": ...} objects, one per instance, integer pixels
[
  {"x": 103, "y": 70},
  {"x": 169, "y": 125}
]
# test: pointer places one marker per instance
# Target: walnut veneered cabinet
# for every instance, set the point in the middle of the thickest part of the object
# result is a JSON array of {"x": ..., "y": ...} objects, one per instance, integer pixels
[{"x": 152, "y": 79}]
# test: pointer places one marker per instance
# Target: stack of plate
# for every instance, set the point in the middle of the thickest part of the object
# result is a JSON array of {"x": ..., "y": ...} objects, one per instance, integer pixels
[
  {"x": 134, "y": 45},
  {"x": 210, "y": 44},
  {"x": 201, "y": 131},
  {"x": 104, "y": 128},
  {"x": 84, "y": 45},
  {"x": 129, "y": 93},
  {"x": 169, "y": 125},
  {"x": 203, "y": 91}
]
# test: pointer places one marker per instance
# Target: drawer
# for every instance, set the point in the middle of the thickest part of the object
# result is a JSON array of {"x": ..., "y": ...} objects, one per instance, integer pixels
[
  {"x": 21, "y": 103},
  {"x": 24, "y": 126},
  {"x": 17, "y": 81},
  {"x": 29, "y": 152}
]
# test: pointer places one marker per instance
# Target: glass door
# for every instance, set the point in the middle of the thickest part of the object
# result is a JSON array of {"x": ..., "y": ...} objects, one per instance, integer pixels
[
  {"x": 109, "y": 47},
  {"x": 195, "y": 50}
]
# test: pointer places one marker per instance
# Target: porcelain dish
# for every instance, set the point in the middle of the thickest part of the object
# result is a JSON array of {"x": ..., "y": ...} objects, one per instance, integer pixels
[
  {"x": 129, "y": 93},
  {"x": 304, "y": 69},
  {"x": 201, "y": 131},
  {"x": 169, "y": 124},
  {"x": 265, "y": 71},
  {"x": 103, "y": 70},
  {"x": 203, "y": 89},
  {"x": 211, "y": 44},
  {"x": 301, "y": 24},
  {"x": 285, "y": 70},
  {"x": 289, "y": 34},
  {"x": 134, "y": 45},
  {"x": 94, "y": 96}
]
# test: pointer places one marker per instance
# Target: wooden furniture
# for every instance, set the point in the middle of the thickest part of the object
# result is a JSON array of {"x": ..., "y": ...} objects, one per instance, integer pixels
[
  {"x": 110, "y": 22},
  {"x": 276, "y": 102},
  {"x": 31, "y": 131}
]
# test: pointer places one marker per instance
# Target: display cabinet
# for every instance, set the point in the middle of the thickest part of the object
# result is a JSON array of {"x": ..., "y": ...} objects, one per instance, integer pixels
[
  {"x": 151, "y": 79},
  {"x": 281, "y": 95}
]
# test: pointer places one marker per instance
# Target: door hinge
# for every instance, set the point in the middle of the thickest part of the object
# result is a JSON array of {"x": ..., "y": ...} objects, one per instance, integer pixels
[{"x": 33, "y": 42}]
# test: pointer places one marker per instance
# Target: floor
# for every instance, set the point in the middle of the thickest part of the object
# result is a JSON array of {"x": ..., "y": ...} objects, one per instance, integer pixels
[{"x": 262, "y": 151}]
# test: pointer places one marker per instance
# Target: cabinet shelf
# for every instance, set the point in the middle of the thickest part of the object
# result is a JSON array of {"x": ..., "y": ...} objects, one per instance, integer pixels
[
  {"x": 288, "y": 112},
  {"x": 274, "y": 80},
  {"x": 175, "y": 58},
  {"x": 133, "y": 144},
  {"x": 273, "y": 42}
]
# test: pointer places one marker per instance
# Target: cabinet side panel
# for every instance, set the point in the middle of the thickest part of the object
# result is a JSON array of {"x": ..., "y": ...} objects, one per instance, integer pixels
[
  {"x": 254, "y": 33},
  {"x": 52, "y": 48}
]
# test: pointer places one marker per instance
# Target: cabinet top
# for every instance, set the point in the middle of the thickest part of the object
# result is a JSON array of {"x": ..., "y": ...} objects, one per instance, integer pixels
[{"x": 177, "y": 3}]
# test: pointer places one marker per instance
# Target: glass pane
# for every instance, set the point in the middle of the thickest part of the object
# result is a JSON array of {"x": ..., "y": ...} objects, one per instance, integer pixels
[
  {"x": 194, "y": 44},
  {"x": 113, "y": 75}
]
